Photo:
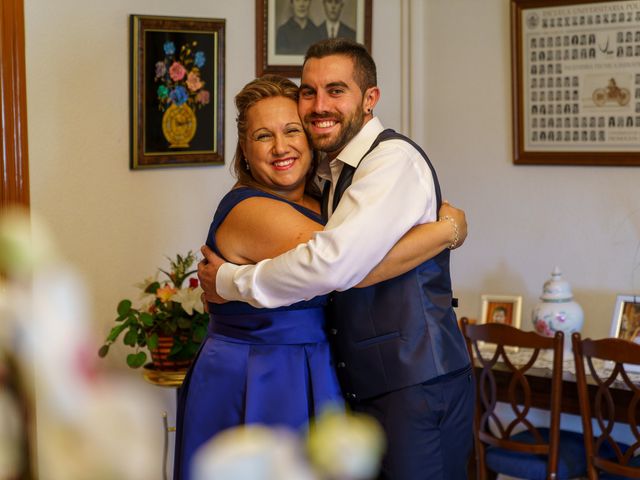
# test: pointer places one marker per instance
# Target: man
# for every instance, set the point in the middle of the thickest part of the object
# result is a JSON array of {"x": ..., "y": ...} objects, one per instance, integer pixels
[
  {"x": 296, "y": 34},
  {"x": 400, "y": 356},
  {"x": 332, "y": 27}
]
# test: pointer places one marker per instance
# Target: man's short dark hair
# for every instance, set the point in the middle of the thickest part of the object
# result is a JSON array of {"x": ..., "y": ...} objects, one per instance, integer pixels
[{"x": 363, "y": 65}]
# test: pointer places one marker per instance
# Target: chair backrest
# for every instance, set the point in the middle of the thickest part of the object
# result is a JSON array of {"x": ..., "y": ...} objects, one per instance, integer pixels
[
  {"x": 603, "y": 452},
  {"x": 496, "y": 368}
]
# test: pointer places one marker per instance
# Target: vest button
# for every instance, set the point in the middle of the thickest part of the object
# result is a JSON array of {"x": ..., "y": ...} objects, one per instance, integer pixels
[
  {"x": 333, "y": 331},
  {"x": 341, "y": 364},
  {"x": 352, "y": 396}
]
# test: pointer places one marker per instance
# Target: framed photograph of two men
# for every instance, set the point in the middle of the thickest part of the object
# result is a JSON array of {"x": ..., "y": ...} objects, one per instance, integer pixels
[
  {"x": 286, "y": 28},
  {"x": 576, "y": 82},
  {"x": 177, "y": 91}
]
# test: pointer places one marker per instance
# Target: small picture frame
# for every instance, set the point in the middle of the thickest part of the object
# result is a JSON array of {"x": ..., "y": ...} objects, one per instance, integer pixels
[
  {"x": 505, "y": 309},
  {"x": 280, "y": 41},
  {"x": 625, "y": 323},
  {"x": 177, "y": 91},
  {"x": 626, "y": 318}
]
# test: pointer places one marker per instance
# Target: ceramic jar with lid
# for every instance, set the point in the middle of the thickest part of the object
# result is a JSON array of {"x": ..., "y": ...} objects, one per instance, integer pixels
[{"x": 557, "y": 311}]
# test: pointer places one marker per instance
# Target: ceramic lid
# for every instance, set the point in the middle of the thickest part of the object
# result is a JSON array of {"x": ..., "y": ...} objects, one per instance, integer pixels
[{"x": 556, "y": 288}]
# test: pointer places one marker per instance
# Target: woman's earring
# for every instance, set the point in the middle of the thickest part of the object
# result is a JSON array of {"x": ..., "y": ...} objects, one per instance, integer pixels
[{"x": 246, "y": 165}]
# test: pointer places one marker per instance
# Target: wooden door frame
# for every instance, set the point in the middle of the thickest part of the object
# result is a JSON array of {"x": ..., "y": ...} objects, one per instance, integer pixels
[
  {"x": 14, "y": 182},
  {"x": 14, "y": 179}
]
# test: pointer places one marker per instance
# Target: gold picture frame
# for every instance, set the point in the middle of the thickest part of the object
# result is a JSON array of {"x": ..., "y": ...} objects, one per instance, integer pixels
[
  {"x": 177, "y": 91},
  {"x": 505, "y": 309}
]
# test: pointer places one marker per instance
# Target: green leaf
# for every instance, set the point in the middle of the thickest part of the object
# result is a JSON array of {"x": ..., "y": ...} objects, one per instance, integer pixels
[
  {"x": 131, "y": 337},
  {"x": 146, "y": 319},
  {"x": 136, "y": 360},
  {"x": 190, "y": 350},
  {"x": 152, "y": 288},
  {"x": 104, "y": 349},
  {"x": 115, "y": 331},
  {"x": 123, "y": 308},
  {"x": 199, "y": 333},
  {"x": 152, "y": 341},
  {"x": 177, "y": 346},
  {"x": 184, "y": 323}
]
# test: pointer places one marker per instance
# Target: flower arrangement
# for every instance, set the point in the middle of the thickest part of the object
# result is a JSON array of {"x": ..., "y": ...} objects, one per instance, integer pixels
[
  {"x": 167, "y": 310},
  {"x": 179, "y": 77}
]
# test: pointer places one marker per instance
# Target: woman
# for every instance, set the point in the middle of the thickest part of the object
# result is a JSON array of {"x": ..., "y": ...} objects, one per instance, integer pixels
[{"x": 272, "y": 366}]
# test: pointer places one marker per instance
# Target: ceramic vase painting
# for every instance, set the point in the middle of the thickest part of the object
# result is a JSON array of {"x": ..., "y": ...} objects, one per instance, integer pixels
[{"x": 557, "y": 311}]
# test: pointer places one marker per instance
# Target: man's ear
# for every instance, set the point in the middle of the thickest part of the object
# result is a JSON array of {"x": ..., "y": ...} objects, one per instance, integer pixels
[{"x": 370, "y": 99}]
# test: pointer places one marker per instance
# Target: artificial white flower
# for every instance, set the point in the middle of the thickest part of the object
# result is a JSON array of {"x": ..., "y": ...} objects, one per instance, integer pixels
[
  {"x": 190, "y": 299},
  {"x": 147, "y": 298}
]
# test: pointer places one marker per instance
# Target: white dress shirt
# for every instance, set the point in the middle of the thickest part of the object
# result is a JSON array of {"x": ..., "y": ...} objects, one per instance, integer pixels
[
  {"x": 392, "y": 190},
  {"x": 332, "y": 28}
]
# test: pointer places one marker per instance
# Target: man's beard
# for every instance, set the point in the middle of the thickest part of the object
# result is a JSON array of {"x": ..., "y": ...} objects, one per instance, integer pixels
[{"x": 349, "y": 128}]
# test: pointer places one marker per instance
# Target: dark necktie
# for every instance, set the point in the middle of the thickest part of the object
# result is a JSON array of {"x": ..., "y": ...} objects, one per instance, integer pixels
[{"x": 324, "y": 206}]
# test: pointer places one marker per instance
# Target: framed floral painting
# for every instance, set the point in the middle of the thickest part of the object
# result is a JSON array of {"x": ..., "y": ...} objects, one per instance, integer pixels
[{"x": 177, "y": 91}]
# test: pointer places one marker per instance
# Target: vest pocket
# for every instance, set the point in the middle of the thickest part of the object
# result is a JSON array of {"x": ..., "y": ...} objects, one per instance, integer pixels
[{"x": 378, "y": 339}]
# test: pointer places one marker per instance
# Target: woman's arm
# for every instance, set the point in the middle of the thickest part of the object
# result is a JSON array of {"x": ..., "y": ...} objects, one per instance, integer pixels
[
  {"x": 420, "y": 244},
  {"x": 259, "y": 228}
]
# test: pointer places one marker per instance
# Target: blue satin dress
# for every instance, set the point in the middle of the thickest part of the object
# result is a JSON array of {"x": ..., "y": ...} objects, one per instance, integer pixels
[{"x": 267, "y": 366}]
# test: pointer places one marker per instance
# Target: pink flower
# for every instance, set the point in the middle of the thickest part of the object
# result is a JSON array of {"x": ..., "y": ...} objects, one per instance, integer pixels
[
  {"x": 177, "y": 71},
  {"x": 202, "y": 97},
  {"x": 193, "y": 82}
]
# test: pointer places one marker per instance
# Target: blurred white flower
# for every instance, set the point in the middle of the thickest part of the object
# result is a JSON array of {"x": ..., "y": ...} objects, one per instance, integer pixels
[
  {"x": 346, "y": 446},
  {"x": 82, "y": 414},
  {"x": 252, "y": 452}
]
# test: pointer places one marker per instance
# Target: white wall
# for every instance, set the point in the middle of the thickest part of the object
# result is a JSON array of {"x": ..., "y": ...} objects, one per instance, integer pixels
[{"x": 523, "y": 220}]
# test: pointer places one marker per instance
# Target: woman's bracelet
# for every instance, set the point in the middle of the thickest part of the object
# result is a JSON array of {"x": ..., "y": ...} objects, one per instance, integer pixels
[{"x": 456, "y": 232}]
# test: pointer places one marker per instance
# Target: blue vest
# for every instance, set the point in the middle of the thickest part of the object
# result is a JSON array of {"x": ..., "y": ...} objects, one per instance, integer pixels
[{"x": 400, "y": 332}]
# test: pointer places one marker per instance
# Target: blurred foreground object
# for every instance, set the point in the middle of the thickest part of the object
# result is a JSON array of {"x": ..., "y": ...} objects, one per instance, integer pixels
[
  {"x": 252, "y": 452},
  {"x": 346, "y": 446},
  {"x": 89, "y": 423},
  {"x": 340, "y": 446}
]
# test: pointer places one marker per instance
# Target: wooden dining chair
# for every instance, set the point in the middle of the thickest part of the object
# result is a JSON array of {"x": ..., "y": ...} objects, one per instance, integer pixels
[
  {"x": 516, "y": 447},
  {"x": 607, "y": 458}
]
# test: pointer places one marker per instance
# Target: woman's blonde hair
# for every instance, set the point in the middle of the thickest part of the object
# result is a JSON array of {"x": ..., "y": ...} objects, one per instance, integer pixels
[{"x": 267, "y": 86}]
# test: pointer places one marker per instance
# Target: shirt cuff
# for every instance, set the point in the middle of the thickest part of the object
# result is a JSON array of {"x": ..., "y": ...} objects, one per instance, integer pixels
[{"x": 225, "y": 286}]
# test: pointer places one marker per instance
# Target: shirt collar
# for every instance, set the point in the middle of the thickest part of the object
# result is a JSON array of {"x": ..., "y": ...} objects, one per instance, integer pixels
[
  {"x": 353, "y": 152},
  {"x": 331, "y": 24}
]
